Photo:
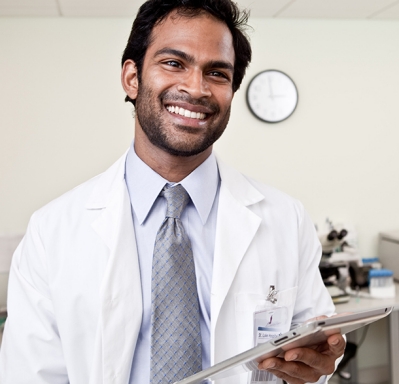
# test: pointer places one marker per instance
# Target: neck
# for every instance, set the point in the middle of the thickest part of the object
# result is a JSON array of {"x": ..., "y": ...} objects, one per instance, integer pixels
[{"x": 170, "y": 167}]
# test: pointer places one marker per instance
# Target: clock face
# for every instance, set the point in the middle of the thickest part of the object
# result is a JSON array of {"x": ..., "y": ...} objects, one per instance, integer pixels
[{"x": 272, "y": 96}]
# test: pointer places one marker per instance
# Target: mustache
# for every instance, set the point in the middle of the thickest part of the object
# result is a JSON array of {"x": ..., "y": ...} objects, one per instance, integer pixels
[{"x": 169, "y": 96}]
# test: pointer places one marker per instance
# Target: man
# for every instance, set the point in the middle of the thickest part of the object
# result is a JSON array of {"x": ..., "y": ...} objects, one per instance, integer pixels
[{"x": 84, "y": 289}]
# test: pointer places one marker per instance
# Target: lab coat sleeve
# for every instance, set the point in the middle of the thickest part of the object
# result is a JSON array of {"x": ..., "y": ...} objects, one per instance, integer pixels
[
  {"x": 31, "y": 350},
  {"x": 313, "y": 297}
]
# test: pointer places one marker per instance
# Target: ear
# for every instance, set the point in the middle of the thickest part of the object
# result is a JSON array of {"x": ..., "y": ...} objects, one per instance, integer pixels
[{"x": 129, "y": 79}]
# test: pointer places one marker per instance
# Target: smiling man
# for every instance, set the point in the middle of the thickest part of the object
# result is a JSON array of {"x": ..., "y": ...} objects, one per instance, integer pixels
[
  {"x": 170, "y": 260},
  {"x": 183, "y": 92}
]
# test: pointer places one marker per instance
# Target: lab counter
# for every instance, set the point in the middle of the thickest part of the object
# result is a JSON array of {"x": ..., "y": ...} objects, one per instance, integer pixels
[{"x": 360, "y": 303}]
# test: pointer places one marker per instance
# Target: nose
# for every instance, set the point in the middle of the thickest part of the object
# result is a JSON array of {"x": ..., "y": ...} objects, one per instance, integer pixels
[{"x": 194, "y": 83}]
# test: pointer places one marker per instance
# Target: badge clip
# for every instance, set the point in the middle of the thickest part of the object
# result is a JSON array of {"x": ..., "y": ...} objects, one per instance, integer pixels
[{"x": 272, "y": 295}]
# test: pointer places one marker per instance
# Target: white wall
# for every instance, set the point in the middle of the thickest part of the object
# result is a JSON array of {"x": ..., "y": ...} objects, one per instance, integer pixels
[{"x": 63, "y": 118}]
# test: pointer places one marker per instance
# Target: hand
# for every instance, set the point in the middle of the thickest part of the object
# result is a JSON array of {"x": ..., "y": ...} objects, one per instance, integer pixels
[{"x": 306, "y": 365}]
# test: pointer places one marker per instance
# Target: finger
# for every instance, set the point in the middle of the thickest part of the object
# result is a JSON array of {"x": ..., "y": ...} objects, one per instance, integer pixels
[
  {"x": 336, "y": 344},
  {"x": 307, "y": 364},
  {"x": 324, "y": 362},
  {"x": 292, "y": 372},
  {"x": 310, "y": 356}
]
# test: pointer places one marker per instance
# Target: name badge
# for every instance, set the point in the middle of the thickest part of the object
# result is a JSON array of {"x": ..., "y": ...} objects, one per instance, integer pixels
[
  {"x": 270, "y": 321},
  {"x": 269, "y": 324}
]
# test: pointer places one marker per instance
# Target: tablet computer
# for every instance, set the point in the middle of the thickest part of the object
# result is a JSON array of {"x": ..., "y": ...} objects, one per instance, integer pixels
[{"x": 307, "y": 334}]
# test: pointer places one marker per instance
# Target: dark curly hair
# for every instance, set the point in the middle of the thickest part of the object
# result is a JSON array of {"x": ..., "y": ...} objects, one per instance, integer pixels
[{"x": 153, "y": 12}]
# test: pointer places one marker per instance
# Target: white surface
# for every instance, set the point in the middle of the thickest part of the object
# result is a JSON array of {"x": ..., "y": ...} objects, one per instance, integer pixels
[
  {"x": 382, "y": 292},
  {"x": 261, "y": 8},
  {"x": 336, "y": 8},
  {"x": 390, "y": 13},
  {"x": 28, "y": 7},
  {"x": 357, "y": 304},
  {"x": 8, "y": 244},
  {"x": 390, "y": 235},
  {"x": 388, "y": 251}
]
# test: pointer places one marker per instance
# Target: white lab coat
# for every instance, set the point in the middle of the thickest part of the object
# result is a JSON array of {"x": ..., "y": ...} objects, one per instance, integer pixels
[{"x": 75, "y": 301}]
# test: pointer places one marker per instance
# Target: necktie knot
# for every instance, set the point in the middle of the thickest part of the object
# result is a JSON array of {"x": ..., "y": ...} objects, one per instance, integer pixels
[{"x": 177, "y": 198}]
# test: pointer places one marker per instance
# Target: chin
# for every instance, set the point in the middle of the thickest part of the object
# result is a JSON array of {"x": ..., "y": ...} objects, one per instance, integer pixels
[{"x": 183, "y": 151}]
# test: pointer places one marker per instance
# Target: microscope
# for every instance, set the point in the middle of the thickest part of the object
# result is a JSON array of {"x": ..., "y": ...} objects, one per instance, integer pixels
[{"x": 337, "y": 255}]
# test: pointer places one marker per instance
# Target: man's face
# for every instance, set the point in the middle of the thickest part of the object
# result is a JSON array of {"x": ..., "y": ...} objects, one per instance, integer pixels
[{"x": 184, "y": 96}]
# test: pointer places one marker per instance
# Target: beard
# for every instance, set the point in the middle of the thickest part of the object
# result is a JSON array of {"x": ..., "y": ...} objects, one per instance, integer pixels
[{"x": 150, "y": 112}]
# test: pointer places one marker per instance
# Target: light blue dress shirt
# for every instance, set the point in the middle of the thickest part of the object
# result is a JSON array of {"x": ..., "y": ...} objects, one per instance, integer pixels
[{"x": 199, "y": 220}]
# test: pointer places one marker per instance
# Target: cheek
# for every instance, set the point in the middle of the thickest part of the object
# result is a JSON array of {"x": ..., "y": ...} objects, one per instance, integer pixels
[
  {"x": 152, "y": 83},
  {"x": 225, "y": 99},
  {"x": 162, "y": 80}
]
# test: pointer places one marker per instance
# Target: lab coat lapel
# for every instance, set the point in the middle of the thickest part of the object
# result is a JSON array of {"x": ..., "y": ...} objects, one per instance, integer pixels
[
  {"x": 121, "y": 298},
  {"x": 236, "y": 228}
]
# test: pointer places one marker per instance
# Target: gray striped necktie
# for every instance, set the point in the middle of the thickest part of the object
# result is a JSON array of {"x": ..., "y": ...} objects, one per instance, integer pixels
[{"x": 175, "y": 333}]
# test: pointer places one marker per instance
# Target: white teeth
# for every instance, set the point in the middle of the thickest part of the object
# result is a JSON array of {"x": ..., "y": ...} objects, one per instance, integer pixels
[{"x": 186, "y": 112}]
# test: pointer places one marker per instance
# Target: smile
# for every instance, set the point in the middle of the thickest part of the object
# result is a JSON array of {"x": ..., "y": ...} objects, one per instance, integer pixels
[{"x": 185, "y": 112}]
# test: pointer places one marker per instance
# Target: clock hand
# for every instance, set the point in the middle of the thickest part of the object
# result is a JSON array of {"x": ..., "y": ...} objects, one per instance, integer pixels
[{"x": 271, "y": 88}]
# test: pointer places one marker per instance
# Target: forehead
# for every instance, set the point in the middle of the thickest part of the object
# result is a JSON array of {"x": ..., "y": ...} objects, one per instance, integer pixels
[{"x": 202, "y": 36}]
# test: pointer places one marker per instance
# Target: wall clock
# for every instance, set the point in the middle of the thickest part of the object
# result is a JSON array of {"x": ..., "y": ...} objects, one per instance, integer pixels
[{"x": 272, "y": 96}]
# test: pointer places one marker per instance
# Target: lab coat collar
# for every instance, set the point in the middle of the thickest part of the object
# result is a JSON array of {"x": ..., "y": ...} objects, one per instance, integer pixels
[
  {"x": 106, "y": 184},
  {"x": 239, "y": 186}
]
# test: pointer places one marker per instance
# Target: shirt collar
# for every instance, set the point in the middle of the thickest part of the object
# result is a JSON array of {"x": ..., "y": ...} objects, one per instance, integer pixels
[{"x": 144, "y": 185}]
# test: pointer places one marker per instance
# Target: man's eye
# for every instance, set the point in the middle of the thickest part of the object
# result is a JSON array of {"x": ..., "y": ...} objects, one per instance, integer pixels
[
  {"x": 173, "y": 63},
  {"x": 216, "y": 73},
  {"x": 221, "y": 75}
]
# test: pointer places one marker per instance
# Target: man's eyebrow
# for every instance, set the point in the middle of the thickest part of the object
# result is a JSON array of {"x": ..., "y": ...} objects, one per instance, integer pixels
[
  {"x": 175, "y": 52},
  {"x": 190, "y": 59},
  {"x": 221, "y": 65}
]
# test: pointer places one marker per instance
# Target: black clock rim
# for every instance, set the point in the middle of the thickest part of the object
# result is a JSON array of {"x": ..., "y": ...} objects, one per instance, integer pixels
[{"x": 249, "y": 104}]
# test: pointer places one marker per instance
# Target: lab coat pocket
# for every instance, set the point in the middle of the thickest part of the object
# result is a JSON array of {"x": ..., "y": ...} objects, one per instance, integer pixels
[
  {"x": 248, "y": 305},
  {"x": 260, "y": 318}
]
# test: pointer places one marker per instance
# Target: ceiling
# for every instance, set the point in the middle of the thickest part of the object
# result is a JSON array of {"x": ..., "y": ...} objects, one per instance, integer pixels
[{"x": 330, "y": 9}]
